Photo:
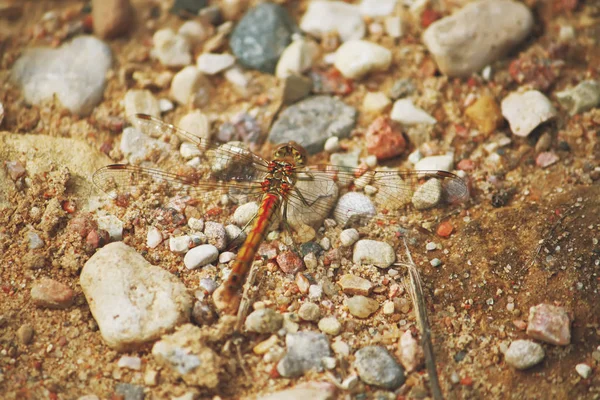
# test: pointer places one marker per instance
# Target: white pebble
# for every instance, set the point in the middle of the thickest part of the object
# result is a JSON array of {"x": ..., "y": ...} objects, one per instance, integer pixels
[
  {"x": 197, "y": 124},
  {"x": 196, "y": 224},
  {"x": 153, "y": 238},
  {"x": 315, "y": 292},
  {"x": 134, "y": 363},
  {"x": 380, "y": 254},
  {"x": 113, "y": 225},
  {"x": 525, "y": 111},
  {"x": 377, "y": 8},
  {"x": 179, "y": 244},
  {"x": 434, "y": 163},
  {"x": 322, "y": 17},
  {"x": 393, "y": 26},
  {"x": 430, "y": 246},
  {"x": 332, "y": 144},
  {"x": 211, "y": 63},
  {"x": 171, "y": 50},
  {"x": 376, "y": 102},
  {"x": 200, "y": 256},
  {"x": 226, "y": 257},
  {"x": 356, "y": 58},
  {"x": 583, "y": 370},
  {"x": 236, "y": 77},
  {"x": 194, "y": 31},
  {"x": 185, "y": 83},
  {"x": 245, "y": 213},
  {"x": 35, "y": 241},
  {"x": 348, "y": 237},
  {"x": 165, "y": 105},
  {"x": 523, "y": 354},
  {"x": 388, "y": 307},
  {"x": 298, "y": 57},
  {"x": 405, "y": 112}
]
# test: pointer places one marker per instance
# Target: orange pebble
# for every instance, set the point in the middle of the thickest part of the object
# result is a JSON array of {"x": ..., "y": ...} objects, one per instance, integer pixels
[{"x": 445, "y": 229}]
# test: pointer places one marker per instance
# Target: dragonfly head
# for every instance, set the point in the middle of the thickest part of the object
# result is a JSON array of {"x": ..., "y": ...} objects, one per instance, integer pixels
[{"x": 291, "y": 152}]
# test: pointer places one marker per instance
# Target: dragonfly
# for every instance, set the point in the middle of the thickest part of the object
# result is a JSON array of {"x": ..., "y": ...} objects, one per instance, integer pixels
[{"x": 286, "y": 187}]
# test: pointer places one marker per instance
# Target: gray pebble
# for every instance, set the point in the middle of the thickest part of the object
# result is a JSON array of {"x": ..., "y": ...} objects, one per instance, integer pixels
[
  {"x": 401, "y": 88},
  {"x": 428, "y": 195},
  {"x": 34, "y": 240},
  {"x": 130, "y": 391},
  {"x": 581, "y": 98},
  {"x": 353, "y": 207},
  {"x": 261, "y": 36},
  {"x": 264, "y": 320},
  {"x": 305, "y": 351},
  {"x": 376, "y": 366},
  {"x": 312, "y": 121}
]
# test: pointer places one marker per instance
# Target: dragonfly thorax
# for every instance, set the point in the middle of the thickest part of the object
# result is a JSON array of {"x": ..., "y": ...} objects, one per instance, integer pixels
[{"x": 280, "y": 177}]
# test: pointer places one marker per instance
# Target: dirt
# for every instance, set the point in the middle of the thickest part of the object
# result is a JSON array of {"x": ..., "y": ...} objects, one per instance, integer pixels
[{"x": 527, "y": 233}]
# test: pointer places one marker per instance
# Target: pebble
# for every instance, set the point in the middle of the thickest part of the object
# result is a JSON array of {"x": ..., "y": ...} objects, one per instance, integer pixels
[
  {"x": 153, "y": 238},
  {"x": 171, "y": 49},
  {"x": 137, "y": 146},
  {"x": 235, "y": 233},
  {"x": 401, "y": 88},
  {"x": 112, "y": 18},
  {"x": 266, "y": 345},
  {"x": 477, "y": 35},
  {"x": 211, "y": 63},
  {"x": 377, "y": 8},
  {"x": 428, "y": 195},
  {"x": 298, "y": 57},
  {"x": 309, "y": 312},
  {"x": 376, "y": 102},
  {"x": 264, "y": 320},
  {"x": 316, "y": 390},
  {"x": 15, "y": 169},
  {"x": 200, "y": 256},
  {"x": 129, "y": 362},
  {"x": 112, "y": 225},
  {"x": 289, "y": 262},
  {"x": 353, "y": 206},
  {"x": 305, "y": 351},
  {"x": 295, "y": 88},
  {"x": 550, "y": 324},
  {"x": 436, "y": 262},
  {"x": 430, "y": 246},
  {"x": 410, "y": 352},
  {"x": 348, "y": 237},
  {"x": 25, "y": 334},
  {"x": 261, "y": 36},
  {"x": 394, "y": 26},
  {"x": 43, "y": 73},
  {"x": 323, "y": 17},
  {"x": 132, "y": 301},
  {"x": 245, "y": 213},
  {"x": 196, "y": 224},
  {"x": 361, "y": 306},
  {"x": 315, "y": 292},
  {"x": 237, "y": 77},
  {"x": 355, "y": 285},
  {"x": 180, "y": 244},
  {"x": 196, "y": 123},
  {"x": 330, "y": 326},
  {"x": 546, "y": 158},
  {"x": 384, "y": 138},
  {"x": 584, "y": 370},
  {"x": 34, "y": 241},
  {"x": 356, "y": 58},
  {"x": 332, "y": 144},
  {"x": 49, "y": 293},
  {"x": 435, "y": 163},
  {"x": 194, "y": 31},
  {"x": 189, "y": 84},
  {"x": 523, "y": 354},
  {"x": 129, "y": 391},
  {"x": 184, "y": 351},
  {"x": 485, "y": 114},
  {"x": 380, "y": 254},
  {"x": 405, "y": 112},
  {"x": 310, "y": 122},
  {"x": 216, "y": 234},
  {"x": 183, "y": 7},
  {"x": 584, "y": 96},
  {"x": 376, "y": 366},
  {"x": 526, "y": 111},
  {"x": 141, "y": 102}
]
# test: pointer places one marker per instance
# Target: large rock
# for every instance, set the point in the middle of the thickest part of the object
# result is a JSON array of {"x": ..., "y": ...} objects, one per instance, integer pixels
[
  {"x": 477, "y": 35},
  {"x": 132, "y": 301}
]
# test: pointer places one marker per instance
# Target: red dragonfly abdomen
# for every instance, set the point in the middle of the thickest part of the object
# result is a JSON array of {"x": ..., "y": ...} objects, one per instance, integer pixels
[{"x": 227, "y": 296}]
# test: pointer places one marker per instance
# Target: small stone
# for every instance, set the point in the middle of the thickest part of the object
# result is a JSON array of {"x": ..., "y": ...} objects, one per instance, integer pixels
[
  {"x": 309, "y": 312},
  {"x": 200, "y": 256},
  {"x": 129, "y": 391},
  {"x": 377, "y": 8},
  {"x": 348, "y": 237},
  {"x": 410, "y": 352},
  {"x": 295, "y": 88},
  {"x": 435, "y": 163},
  {"x": 197, "y": 124},
  {"x": 153, "y": 238},
  {"x": 566, "y": 33},
  {"x": 356, "y": 58},
  {"x": 436, "y": 262},
  {"x": 261, "y": 36},
  {"x": 171, "y": 49},
  {"x": 312, "y": 121},
  {"x": 330, "y": 326},
  {"x": 374, "y": 252},
  {"x": 523, "y": 354},
  {"x": 211, "y": 63},
  {"x": 188, "y": 84},
  {"x": 353, "y": 206},
  {"x": 111, "y": 18},
  {"x": 550, "y": 324},
  {"x": 132, "y": 301},
  {"x": 376, "y": 102},
  {"x": 289, "y": 262},
  {"x": 305, "y": 351},
  {"x": 526, "y": 111},
  {"x": 324, "y": 17},
  {"x": 546, "y": 158},
  {"x": 245, "y": 213},
  {"x": 393, "y": 26},
  {"x": 216, "y": 234},
  {"x": 137, "y": 146},
  {"x": 25, "y": 334},
  {"x": 15, "y": 169},
  {"x": 179, "y": 244},
  {"x": 477, "y": 35},
  {"x": 384, "y": 139},
  {"x": 428, "y": 195},
  {"x": 388, "y": 307},
  {"x": 151, "y": 377},
  {"x": 196, "y": 224},
  {"x": 186, "y": 7},
  {"x": 141, "y": 102},
  {"x": 361, "y": 306},
  {"x": 44, "y": 73},
  {"x": 237, "y": 77},
  {"x": 134, "y": 363},
  {"x": 264, "y": 346},
  {"x": 401, "y": 88},
  {"x": 584, "y": 370},
  {"x": 355, "y": 285},
  {"x": 485, "y": 114},
  {"x": 315, "y": 292},
  {"x": 376, "y": 366},
  {"x": 194, "y": 31},
  {"x": 584, "y": 96},
  {"x": 49, "y": 293},
  {"x": 112, "y": 225},
  {"x": 332, "y": 144},
  {"x": 34, "y": 241},
  {"x": 297, "y": 58},
  {"x": 264, "y": 320},
  {"x": 405, "y": 112}
]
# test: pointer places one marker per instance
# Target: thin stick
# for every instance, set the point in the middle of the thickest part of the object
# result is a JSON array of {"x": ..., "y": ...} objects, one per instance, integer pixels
[
  {"x": 246, "y": 301},
  {"x": 413, "y": 282}
]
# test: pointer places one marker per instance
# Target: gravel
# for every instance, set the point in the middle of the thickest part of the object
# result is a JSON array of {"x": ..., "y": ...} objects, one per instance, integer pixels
[
  {"x": 525, "y": 111},
  {"x": 305, "y": 351},
  {"x": 48, "y": 293},
  {"x": 264, "y": 320},
  {"x": 523, "y": 354},
  {"x": 356, "y": 58},
  {"x": 322, "y": 17},
  {"x": 361, "y": 306},
  {"x": 200, "y": 256},
  {"x": 380, "y": 254},
  {"x": 376, "y": 366},
  {"x": 405, "y": 112}
]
